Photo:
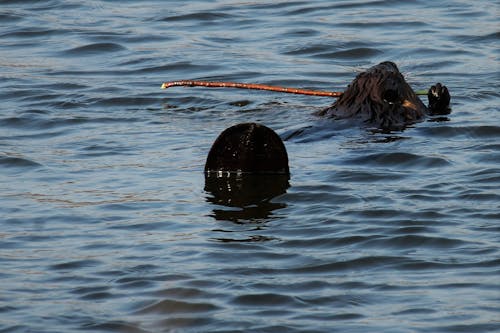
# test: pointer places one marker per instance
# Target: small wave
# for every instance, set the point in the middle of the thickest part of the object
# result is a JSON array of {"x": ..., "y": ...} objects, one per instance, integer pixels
[
  {"x": 275, "y": 6},
  {"x": 399, "y": 159},
  {"x": 305, "y": 10},
  {"x": 96, "y": 150},
  {"x": 37, "y": 123},
  {"x": 485, "y": 158},
  {"x": 349, "y": 176},
  {"x": 9, "y": 17},
  {"x": 64, "y": 86},
  {"x": 490, "y": 37},
  {"x": 413, "y": 241},
  {"x": 326, "y": 242},
  {"x": 127, "y": 101},
  {"x": 483, "y": 131},
  {"x": 30, "y": 32},
  {"x": 89, "y": 290},
  {"x": 17, "y": 162},
  {"x": 269, "y": 299},
  {"x": 72, "y": 265},
  {"x": 109, "y": 326},
  {"x": 170, "y": 306},
  {"x": 34, "y": 123},
  {"x": 478, "y": 196},
  {"x": 201, "y": 16},
  {"x": 352, "y": 50},
  {"x": 349, "y": 316},
  {"x": 481, "y": 327},
  {"x": 377, "y": 24},
  {"x": 97, "y": 296},
  {"x": 176, "y": 66},
  {"x": 95, "y": 48},
  {"x": 415, "y": 311},
  {"x": 7, "y": 308},
  {"x": 486, "y": 176},
  {"x": 350, "y": 54},
  {"x": 310, "y": 49},
  {"x": 125, "y": 281},
  {"x": 364, "y": 263},
  {"x": 297, "y": 33},
  {"x": 183, "y": 293}
]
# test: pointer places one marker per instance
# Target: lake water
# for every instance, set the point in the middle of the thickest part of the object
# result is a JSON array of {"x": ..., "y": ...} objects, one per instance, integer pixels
[{"x": 107, "y": 224}]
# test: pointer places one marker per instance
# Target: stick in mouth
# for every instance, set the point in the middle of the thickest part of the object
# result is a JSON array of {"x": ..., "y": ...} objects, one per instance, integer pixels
[{"x": 257, "y": 86}]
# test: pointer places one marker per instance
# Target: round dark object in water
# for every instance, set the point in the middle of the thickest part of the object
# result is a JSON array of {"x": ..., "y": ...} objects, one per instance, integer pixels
[{"x": 248, "y": 148}]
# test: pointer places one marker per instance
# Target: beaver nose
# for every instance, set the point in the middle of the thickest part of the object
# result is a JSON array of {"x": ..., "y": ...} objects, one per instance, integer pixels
[{"x": 390, "y": 96}]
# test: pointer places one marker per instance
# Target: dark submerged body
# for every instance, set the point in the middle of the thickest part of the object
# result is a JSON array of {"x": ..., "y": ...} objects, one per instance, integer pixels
[
  {"x": 248, "y": 148},
  {"x": 381, "y": 97}
]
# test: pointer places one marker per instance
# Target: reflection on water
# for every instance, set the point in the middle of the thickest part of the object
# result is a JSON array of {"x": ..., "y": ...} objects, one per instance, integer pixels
[{"x": 247, "y": 197}]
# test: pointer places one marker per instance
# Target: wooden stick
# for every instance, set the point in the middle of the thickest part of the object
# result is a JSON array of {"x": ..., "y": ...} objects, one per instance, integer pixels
[{"x": 212, "y": 84}]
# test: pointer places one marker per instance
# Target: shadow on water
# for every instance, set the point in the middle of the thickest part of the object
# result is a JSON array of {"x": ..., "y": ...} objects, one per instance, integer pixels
[{"x": 244, "y": 198}]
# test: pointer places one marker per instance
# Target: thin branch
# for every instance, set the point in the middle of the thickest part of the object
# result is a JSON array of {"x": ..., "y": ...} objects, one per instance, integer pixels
[{"x": 212, "y": 84}]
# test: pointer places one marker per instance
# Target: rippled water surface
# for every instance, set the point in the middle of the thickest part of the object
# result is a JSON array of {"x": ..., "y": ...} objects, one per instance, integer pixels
[{"x": 107, "y": 224}]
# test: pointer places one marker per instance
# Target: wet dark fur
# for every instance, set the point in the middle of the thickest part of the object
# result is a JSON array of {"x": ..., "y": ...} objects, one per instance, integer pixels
[
  {"x": 381, "y": 97},
  {"x": 248, "y": 148}
]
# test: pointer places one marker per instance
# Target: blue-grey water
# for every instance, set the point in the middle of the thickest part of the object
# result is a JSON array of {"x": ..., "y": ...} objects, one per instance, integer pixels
[{"x": 107, "y": 225}]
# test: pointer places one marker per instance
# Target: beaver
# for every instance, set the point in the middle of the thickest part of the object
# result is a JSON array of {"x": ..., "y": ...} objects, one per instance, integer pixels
[
  {"x": 247, "y": 165},
  {"x": 382, "y": 98},
  {"x": 379, "y": 97},
  {"x": 248, "y": 148}
]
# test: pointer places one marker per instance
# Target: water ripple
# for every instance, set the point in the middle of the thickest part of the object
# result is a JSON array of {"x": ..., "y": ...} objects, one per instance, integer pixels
[
  {"x": 10, "y": 17},
  {"x": 95, "y": 48},
  {"x": 400, "y": 159},
  {"x": 199, "y": 16},
  {"x": 34, "y": 32},
  {"x": 72, "y": 265},
  {"x": 169, "y": 306},
  {"x": 17, "y": 162},
  {"x": 483, "y": 131},
  {"x": 257, "y": 300},
  {"x": 110, "y": 225}
]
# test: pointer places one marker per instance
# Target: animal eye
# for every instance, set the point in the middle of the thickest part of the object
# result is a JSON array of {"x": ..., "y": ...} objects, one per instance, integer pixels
[{"x": 390, "y": 96}]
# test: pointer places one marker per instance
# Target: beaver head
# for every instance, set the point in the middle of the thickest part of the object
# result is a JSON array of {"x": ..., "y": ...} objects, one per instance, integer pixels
[
  {"x": 248, "y": 148},
  {"x": 247, "y": 165},
  {"x": 380, "y": 97}
]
